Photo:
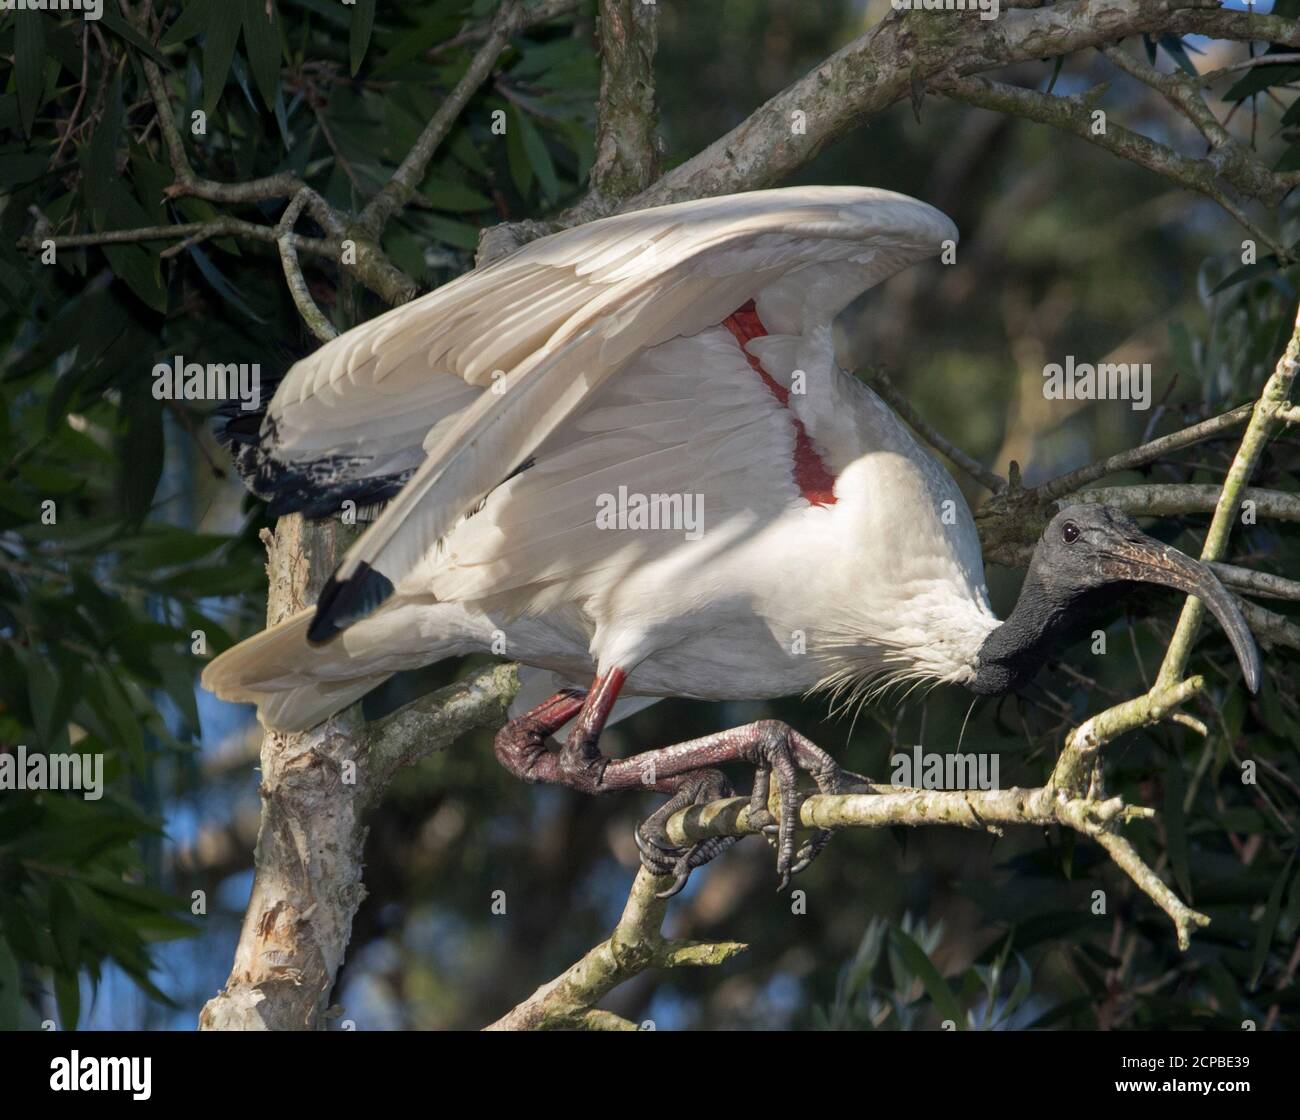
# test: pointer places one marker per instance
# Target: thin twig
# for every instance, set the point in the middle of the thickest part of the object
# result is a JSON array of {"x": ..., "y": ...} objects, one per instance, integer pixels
[
  {"x": 312, "y": 315},
  {"x": 1264, "y": 420},
  {"x": 899, "y": 403},
  {"x": 1170, "y": 498},
  {"x": 1263, "y": 584},
  {"x": 81, "y": 97},
  {"x": 511, "y": 17},
  {"x": 1074, "y": 114},
  {"x": 1145, "y": 453}
]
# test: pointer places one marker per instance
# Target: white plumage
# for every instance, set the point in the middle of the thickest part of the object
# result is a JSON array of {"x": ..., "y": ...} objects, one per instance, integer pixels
[{"x": 620, "y": 354}]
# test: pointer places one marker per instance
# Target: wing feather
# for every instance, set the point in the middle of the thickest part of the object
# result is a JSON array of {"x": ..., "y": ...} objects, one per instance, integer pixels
[{"x": 546, "y": 328}]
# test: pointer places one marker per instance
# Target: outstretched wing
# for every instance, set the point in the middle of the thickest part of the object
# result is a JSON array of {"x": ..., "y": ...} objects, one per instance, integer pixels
[{"x": 448, "y": 395}]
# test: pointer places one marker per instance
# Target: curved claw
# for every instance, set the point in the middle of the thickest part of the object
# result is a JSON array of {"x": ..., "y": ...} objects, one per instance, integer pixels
[
  {"x": 772, "y": 748},
  {"x": 681, "y": 872},
  {"x": 810, "y": 851},
  {"x": 780, "y": 750},
  {"x": 660, "y": 857}
]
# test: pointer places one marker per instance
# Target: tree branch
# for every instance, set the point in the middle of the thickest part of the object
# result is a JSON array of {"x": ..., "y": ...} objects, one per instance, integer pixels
[
  {"x": 1149, "y": 452},
  {"x": 312, "y": 315},
  {"x": 1257, "y": 583},
  {"x": 1074, "y": 114},
  {"x": 1232, "y": 160},
  {"x": 511, "y": 18},
  {"x": 191, "y": 232},
  {"x": 635, "y": 945},
  {"x": 1269, "y": 627},
  {"x": 890, "y": 393},
  {"x": 372, "y": 266},
  {"x": 627, "y": 156},
  {"x": 1265, "y": 419}
]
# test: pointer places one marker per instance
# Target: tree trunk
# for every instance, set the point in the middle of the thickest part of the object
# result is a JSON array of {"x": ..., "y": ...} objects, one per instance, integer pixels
[{"x": 307, "y": 885}]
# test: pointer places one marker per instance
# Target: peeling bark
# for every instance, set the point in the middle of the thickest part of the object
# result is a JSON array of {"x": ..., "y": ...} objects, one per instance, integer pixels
[{"x": 307, "y": 886}]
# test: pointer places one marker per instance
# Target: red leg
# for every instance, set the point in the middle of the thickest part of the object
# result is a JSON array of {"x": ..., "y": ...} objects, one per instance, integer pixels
[
  {"x": 580, "y": 756},
  {"x": 521, "y": 748},
  {"x": 684, "y": 770}
]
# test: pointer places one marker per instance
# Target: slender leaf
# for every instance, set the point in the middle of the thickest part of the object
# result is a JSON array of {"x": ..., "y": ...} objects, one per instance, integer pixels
[
  {"x": 937, "y": 987},
  {"x": 363, "y": 22},
  {"x": 1268, "y": 924},
  {"x": 222, "y": 32},
  {"x": 262, "y": 44},
  {"x": 29, "y": 64}
]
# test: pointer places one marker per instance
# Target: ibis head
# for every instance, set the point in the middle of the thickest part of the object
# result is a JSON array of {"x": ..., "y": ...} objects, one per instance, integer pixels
[{"x": 1084, "y": 555}]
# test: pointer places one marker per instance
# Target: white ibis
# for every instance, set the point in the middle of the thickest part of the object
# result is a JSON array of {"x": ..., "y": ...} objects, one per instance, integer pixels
[{"x": 627, "y": 450}]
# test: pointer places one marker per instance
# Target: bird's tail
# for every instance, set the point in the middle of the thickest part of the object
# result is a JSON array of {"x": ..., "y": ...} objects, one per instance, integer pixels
[{"x": 294, "y": 685}]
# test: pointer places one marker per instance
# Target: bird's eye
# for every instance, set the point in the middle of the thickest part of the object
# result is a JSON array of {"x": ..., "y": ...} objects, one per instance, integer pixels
[{"x": 1069, "y": 532}]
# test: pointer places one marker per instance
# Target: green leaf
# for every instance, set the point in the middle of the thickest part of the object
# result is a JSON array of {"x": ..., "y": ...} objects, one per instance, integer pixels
[
  {"x": 1268, "y": 924},
  {"x": 222, "y": 32},
  {"x": 142, "y": 451},
  {"x": 65, "y": 925},
  {"x": 363, "y": 21},
  {"x": 450, "y": 232},
  {"x": 1290, "y": 159},
  {"x": 1259, "y": 78},
  {"x": 11, "y": 998},
  {"x": 937, "y": 987},
  {"x": 51, "y": 694},
  {"x": 1176, "y": 826},
  {"x": 1265, "y": 266},
  {"x": 104, "y": 693},
  {"x": 521, "y": 168},
  {"x": 29, "y": 64},
  {"x": 139, "y": 269},
  {"x": 114, "y": 207},
  {"x": 1177, "y": 50},
  {"x": 262, "y": 44},
  {"x": 192, "y": 20},
  {"x": 119, "y": 27},
  {"x": 223, "y": 287},
  {"x": 166, "y": 546},
  {"x": 462, "y": 148},
  {"x": 17, "y": 169},
  {"x": 67, "y": 994},
  {"x": 539, "y": 157},
  {"x": 454, "y": 196}
]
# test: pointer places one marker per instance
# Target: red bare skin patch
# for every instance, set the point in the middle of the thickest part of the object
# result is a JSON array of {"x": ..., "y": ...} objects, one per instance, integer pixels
[{"x": 815, "y": 481}]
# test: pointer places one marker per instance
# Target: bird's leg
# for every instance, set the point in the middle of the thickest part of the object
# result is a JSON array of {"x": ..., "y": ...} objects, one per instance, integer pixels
[
  {"x": 658, "y": 856},
  {"x": 771, "y": 747},
  {"x": 520, "y": 746},
  {"x": 686, "y": 771},
  {"x": 580, "y": 756}
]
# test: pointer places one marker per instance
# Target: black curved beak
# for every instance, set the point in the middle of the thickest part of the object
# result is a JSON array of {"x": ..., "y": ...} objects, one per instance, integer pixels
[{"x": 1143, "y": 559}]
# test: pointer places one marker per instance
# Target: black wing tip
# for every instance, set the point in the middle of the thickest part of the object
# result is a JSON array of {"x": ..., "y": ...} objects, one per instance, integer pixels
[{"x": 344, "y": 602}]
